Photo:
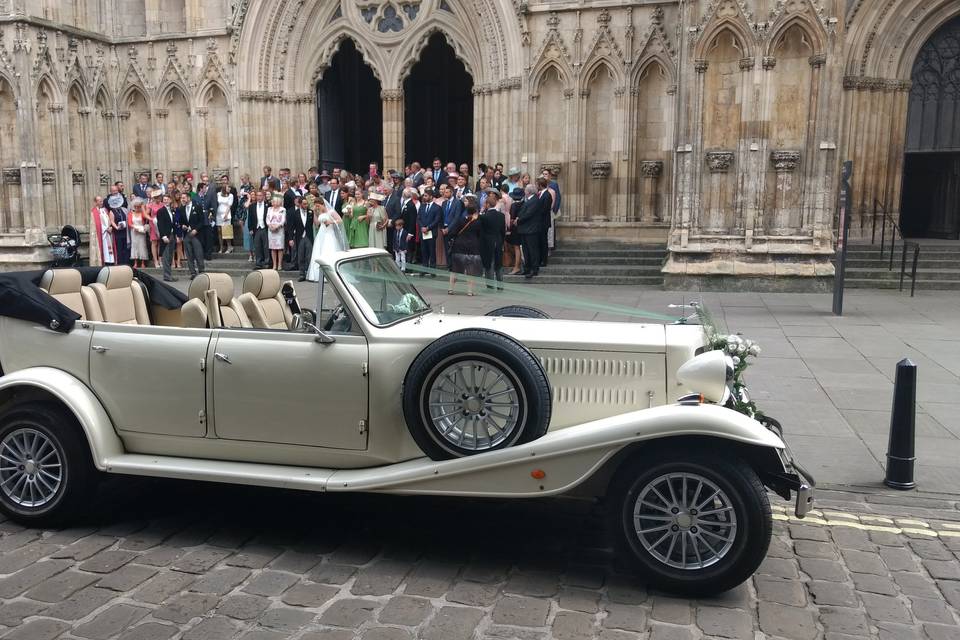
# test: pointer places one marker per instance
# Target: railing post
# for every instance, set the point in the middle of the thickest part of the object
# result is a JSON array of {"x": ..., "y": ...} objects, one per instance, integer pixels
[
  {"x": 913, "y": 277},
  {"x": 893, "y": 243},
  {"x": 883, "y": 236},
  {"x": 873, "y": 232},
  {"x": 903, "y": 265}
]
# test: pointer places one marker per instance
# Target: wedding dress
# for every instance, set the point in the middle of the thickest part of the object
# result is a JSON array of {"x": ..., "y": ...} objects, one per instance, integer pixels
[{"x": 329, "y": 239}]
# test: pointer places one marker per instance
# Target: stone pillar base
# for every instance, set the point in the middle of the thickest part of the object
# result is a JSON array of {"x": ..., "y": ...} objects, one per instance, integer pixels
[
  {"x": 599, "y": 231},
  {"x": 720, "y": 270}
]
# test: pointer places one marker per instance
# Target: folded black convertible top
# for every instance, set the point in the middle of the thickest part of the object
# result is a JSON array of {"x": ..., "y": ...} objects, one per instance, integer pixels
[{"x": 21, "y": 297}]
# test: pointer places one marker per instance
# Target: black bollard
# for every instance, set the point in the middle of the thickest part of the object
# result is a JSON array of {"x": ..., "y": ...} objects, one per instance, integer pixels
[{"x": 900, "y": 451}]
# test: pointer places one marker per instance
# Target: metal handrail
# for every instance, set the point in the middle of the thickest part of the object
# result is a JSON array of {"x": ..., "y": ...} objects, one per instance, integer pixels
[
  {"x": 913, "y": 271},
  {"x": 895, "y": 229}
]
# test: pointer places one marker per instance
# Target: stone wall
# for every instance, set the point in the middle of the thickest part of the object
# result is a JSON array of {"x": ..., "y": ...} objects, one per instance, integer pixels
[{"x": 717, "y": 126}]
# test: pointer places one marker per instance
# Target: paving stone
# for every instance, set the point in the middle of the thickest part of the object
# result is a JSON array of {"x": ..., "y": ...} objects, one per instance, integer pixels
[
  {"x": 819, "y": 569},
  {"x": 127, "y": 577},
  {"x": 789, "y": 592},
  {"x": 17, "y": 583},
  {"x": 847, "y": 538},
  {"x": 788, "y": 622},
  {"x": 201, "y": 560},
  {"x": 892, "y": 631},
  {"x": 386, "y": 633},
  {"x": 185, "y": 607},
  {"x": 725, "y": 623},
  {"x": 832, "y": 593},
  {"x": 950, "y": 591},
  {"x": 568, "y": 625},
  {"x": 38, "y": 629},
  {"x": 243, "y": 607},
  {"x": 665, "y": 632},
  {"x": 942, "y": 632},
  {"x": 267, "y": 634},
  {"x": 85, "y": 547},
  {"x": 356, "y": 553},
  {"x": 885, "y": 608},
  {"x": 256, "y": 557},
  {"x": 309, "y": 594},
  {"x": 807, "y": 532},
  {"x": 350, "y": 612},
  {"x": 585, "y": 600},
  {"x": 431, "y": 579},
  {"x": 812, "y": 549},
  {"x": 844, "y": 620},
  {"x": 885, "y": 538},
  {"x": 616, "y": 634},
  {"x": 17, "y": 559},
  {"x": 864, "y": 562},
  {"x": 533, "y": 583},
  {"x": 286, "y": 619},
  {"x": 295, "y": 561},
  {"x": 584, "y": 576},
  {"x": 381, "y": 578},
  {"x": 738, "y": 597},
  {"x": 931, "y": 610},
  {"x": 625, "y": 590},
  {"x": 150, "y": 631},
  {"x": 916, "y": 584},
  {"x": 674, "y": 610},
  {"x": 625, "y": 617},
  {"x": 12, "y": 613},
  {"x": 332, "y": 573},
  {"x": 405, "y": 610},
  {"x": 943, "y": 569},
  {"x": 215, "y": 628},
  {"x": 521, "y": 611},
  {"x": 160, "y": 587},
  {"x": 326, "y": 634},
  {"x": 490, "y": 571},
  {"x": 68, "y": 535},
  {"x": 161, "y": 556},
  {"x": 780, "y": 549},
  {"x": 474, "y": 594},
  {"x": 81, "y": 604},
  {"x": 501, "y": 632},
  {"x": 898, "y": 559},
  {"x": 61, "y": 586},
  {"x": 870, "y": 583},
  {"x": 220, "y": 581},
  {"x": 930, "y": 549},
  {"x": 452, "y": 623},
  {"x": 779, "y": 567},
  {"x": 108, "y": 561},
  {"x": 111, "y": 622}
]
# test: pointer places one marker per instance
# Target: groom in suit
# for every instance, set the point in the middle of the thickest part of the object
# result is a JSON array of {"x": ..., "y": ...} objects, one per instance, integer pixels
[{"x": 299, "y": 231}]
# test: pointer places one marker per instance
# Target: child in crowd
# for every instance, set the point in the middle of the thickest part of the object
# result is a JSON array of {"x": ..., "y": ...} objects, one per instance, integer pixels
[{"x": 400, "y": 236}]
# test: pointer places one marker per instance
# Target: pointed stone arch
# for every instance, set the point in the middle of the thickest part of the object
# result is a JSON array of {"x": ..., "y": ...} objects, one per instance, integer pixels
[
  {"x": 214, "y": 112},
  {"x": 324, "y": 56},
  {"x": 11, "y": 208},
  {"x": 810, "y": 27},
  {"x": 719, "y": 22},
  {"x": 409, "y": 52}
]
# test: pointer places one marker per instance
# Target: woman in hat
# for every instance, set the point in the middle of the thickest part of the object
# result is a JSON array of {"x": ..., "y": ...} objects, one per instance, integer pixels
[
  {"x": 359, "y": 234},
  {"x": 377, "y": 217}
]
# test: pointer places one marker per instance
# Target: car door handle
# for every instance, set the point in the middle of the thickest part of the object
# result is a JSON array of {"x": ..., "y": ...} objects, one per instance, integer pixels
[
  {"x": 99, "y": 349},
  {"x": 222, "y": 357}
]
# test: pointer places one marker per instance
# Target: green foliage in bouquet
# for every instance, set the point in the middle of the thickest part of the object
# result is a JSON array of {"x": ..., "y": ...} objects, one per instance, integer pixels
[{"x": 741, "y": 350}]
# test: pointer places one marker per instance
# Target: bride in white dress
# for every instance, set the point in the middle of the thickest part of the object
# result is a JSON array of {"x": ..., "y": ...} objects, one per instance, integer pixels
[{"x": 329, "y": 238}]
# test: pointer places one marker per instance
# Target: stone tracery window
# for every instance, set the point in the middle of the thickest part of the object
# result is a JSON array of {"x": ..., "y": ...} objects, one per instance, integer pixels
[
  {"x": 935, "y": 94},
  {"x": 390, "y": 16}
]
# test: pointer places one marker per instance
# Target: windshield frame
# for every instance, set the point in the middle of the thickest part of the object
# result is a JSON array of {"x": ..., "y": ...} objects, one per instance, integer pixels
[{"x": 360, "y": 302}]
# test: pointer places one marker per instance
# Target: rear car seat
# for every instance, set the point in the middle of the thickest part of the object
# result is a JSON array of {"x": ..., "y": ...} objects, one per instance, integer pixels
[
  {"x": 226, "y": 312},
  {"x": 66, "y": 286},
  {"x": 121, "y": 299}
]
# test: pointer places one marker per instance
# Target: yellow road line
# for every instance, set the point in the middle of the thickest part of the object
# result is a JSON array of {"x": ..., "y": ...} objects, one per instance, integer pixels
[{"x": 867, "y": 522}]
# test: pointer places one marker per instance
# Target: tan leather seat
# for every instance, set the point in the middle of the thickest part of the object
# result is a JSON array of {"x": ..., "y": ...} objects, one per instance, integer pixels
[
  {"x": 263, "y": 301},
  {"x": 66, "y": 286},
  {"x": 120, "y": 298},
  {"x": 193, "y": 314},
  {"x": 228, "y": 311}
]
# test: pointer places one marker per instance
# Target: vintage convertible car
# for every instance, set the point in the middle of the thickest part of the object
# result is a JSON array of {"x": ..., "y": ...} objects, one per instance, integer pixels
[{"x": 111, "y": 371}]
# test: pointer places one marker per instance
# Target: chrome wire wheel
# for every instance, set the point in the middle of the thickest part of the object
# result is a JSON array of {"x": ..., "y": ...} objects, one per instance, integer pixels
[
  {"x": 31, "y": 468},
  {"x": 685, "y": 521},
  {"x": 474, "y": 404}
]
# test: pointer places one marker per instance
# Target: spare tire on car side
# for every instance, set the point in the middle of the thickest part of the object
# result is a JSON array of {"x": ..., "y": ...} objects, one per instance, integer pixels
[
  {"x": 519, "y": 311},
  {"x": 473, "y": 391}
]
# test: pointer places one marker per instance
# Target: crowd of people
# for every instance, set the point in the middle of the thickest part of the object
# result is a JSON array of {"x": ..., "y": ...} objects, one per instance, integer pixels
[{"x": 435, "y": 217}]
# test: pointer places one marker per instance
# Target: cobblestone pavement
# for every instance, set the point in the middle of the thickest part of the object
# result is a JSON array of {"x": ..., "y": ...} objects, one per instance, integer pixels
[{"x": 167, "y": 559}]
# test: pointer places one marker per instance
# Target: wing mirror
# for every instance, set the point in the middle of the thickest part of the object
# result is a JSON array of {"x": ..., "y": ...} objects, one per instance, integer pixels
[{"x": 320, "y": 336}]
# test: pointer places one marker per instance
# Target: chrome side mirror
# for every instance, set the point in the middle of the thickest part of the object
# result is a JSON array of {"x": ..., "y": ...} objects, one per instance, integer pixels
[{"x": 320, "y": 337}]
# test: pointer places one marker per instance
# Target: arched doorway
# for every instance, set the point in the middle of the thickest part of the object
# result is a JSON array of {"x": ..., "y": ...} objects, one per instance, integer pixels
[
  {"x": 438, "y": 106},
  {"x": 930, "y": 205},
  {"x": 349, "y": 112}
]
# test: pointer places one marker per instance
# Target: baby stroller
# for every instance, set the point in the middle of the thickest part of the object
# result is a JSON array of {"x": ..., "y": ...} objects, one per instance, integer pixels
[{"x": 65, "y": 247}]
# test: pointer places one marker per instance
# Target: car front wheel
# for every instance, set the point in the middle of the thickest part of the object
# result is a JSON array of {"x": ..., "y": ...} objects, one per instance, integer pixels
[
  {"x": 46, "y": 474},
  {"x": 691, "y": 524}
]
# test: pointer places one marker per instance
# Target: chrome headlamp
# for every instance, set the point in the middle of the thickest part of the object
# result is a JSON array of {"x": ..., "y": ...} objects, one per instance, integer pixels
[{"x": 709, "y": 374}]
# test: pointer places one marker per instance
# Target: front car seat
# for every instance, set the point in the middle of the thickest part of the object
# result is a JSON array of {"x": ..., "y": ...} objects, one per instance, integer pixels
[
  {"x": 228, "y": 310},
  {"x": 263, "y": 300},
  {"x": 121, "y": 299}
]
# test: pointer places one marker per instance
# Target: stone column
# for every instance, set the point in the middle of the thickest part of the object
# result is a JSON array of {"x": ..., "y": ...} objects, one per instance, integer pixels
[
  {"x": 650, "y": 170},
  {"x": 784, "y": 210},
  {"x": 718, "y": 162},
  {"x": 392, "y": 129},
  {"x": 598, "y": 206}
]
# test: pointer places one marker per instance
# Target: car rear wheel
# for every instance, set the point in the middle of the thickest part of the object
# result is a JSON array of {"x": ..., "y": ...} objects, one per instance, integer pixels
[
  {"x": 691, "y": 524},
  {"x": 519, "y": 311},
  {"x": 45, "y": 470},
  {"x": 473, "y": 391}
]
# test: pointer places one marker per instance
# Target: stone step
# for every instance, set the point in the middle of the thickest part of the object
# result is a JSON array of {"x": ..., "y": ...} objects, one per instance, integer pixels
[
  {"x": 605, "y": 260},
  {"x": 548, "y": 278},
  {"x": 938, "y": 250},
  {"x": 885, "y": 264},
  {"x": 610, "y": 253},
  {"x": 601, "y": 270},
  {"x": 924, "y": 285}
]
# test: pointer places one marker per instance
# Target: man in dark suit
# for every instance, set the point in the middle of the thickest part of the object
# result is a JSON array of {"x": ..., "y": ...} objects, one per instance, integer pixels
[
  {"x": 268, "y": 180},
  {"x": 493, "y": 231},
  {"x": 545, "y": 196},
  {"x": 429, "y": 220},
  {"x": 451, "y": 211},
  {"x": 192, "y": 215},
  {"x": 439, "y": 175},
  {"x": 257, "y": 228},
  {"x": 299, "y": 234},
  {"x": 141, "y": 188},
  {"x": 529, "y": 223},
  {"x": 416, "y": 174},
  {"x": 408, "y": 212},
  {"x": 335, "y": 197},
  {"x": 168, "y": 236}
]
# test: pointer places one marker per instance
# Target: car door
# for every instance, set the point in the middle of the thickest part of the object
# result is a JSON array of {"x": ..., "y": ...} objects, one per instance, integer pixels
[
  {"x": 284, "y": 387},
  {"x": 151, "y": 378}
]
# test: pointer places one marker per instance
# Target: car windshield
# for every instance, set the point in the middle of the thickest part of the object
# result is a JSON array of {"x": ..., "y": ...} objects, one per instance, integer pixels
[{"x": 382, "y": 292}]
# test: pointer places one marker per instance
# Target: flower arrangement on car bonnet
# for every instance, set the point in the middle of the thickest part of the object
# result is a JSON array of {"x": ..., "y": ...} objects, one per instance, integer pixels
[{"x": 740, "y": 350}]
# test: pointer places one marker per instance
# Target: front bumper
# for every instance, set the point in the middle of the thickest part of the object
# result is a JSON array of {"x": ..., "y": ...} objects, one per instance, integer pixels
[{"x": 793, "y": 478}]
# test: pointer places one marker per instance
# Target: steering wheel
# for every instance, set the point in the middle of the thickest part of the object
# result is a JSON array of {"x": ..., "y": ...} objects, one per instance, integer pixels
[{"x": 339, "y": 321}]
